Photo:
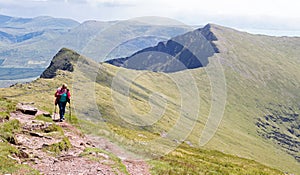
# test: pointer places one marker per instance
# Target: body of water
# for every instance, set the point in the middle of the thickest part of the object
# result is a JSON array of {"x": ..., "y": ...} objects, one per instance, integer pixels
[
  {"x": 19, "y": 73},
  {"x": 10, "y": 76}
]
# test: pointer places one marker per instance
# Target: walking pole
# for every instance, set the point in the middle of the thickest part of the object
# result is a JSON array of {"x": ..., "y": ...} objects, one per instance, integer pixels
[
  {"x": 54, "y": 114},
  {"x": 70, "y": 112}
]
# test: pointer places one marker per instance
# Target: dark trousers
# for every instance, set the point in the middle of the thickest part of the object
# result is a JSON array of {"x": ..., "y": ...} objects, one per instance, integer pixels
[{"x": 62, "y": 109}]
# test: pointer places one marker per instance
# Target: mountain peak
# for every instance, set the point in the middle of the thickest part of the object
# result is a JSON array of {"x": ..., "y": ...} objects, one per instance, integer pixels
[
  {"x": 63, "y": 60},
  {"x": 208, "y": 33}
]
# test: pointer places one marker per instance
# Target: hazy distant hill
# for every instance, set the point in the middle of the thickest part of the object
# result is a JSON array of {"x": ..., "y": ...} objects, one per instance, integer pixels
[
  {"x": 28, "y": 42},
  {"x": 31, "y": 42},
  {"x": 15, "y": 25}
]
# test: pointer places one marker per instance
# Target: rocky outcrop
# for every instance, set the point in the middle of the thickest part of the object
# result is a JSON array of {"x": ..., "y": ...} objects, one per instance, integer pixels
[
  {"x": 282, "y": 127},
  {"x": 187, "y": 51},
  {"x": 63, "y": 60},
  {"x": 26, "y": 109}
]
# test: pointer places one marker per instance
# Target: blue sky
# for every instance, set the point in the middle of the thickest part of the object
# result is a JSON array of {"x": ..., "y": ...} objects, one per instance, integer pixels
[{"x": 242, "y": 14}]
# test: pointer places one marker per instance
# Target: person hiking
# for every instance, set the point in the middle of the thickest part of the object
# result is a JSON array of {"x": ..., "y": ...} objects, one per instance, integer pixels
[{"x": 63, "y": 96}]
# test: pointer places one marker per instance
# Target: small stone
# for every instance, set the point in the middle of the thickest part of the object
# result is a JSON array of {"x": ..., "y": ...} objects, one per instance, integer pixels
[
  {"x": 141, "y": 135},
  {"x": 23, "y": 148},
  {"x": 33, "y": 159},
  {"x": 99, "y": 169},
  {"x": 163, "y": 134},
  {"x": 26, "y": 109},
  {"x": 47, "y": 114},
  {"x": 45, "y": 145},
  {"x": 23, "y": 154},
  {"x": 189, "y": 143},
  {"x": 176, "y": 141},
  {"x": 103, "y": 155},
  {"x": 36, "y": 134},
  {"x": 143, "y": 143}
]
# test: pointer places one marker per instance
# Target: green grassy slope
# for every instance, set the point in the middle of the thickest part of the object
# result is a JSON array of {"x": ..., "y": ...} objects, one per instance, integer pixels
[
  {"x": 261, "y": 75},
  {"x": 259, "y": 70},
  {"x": 184, "y": 159}
]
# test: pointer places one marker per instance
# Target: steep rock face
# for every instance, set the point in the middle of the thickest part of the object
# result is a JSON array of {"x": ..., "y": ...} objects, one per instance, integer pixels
[
  {"x": 282, "y": 127},
  {"x": 63, "y": 60},
  {"x": 187, "y": 51}
]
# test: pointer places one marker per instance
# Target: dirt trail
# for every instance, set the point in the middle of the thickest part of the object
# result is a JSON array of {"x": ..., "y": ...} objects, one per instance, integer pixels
[
  {"x": 32, "y": 144},
  {"x": 135, "y": 167}
]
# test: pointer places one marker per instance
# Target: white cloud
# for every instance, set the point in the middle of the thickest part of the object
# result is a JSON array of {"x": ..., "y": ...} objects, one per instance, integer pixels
[{"x": 245, "y": 13}]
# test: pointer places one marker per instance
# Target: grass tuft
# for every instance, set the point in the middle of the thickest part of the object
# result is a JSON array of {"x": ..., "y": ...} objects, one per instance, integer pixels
[
  {"x": 54, "y": 128},
  {"x": 8, "y": 129},
  {"x": 6, "y": 107},
  {"x": 43, "y": 118},
  {"x": 57, "y": 148}
]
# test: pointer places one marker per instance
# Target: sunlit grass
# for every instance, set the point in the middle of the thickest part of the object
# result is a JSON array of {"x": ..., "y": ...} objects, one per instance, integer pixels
[
  {"x": 187, "y": 160},
  {"x": 252, "y": 83}
]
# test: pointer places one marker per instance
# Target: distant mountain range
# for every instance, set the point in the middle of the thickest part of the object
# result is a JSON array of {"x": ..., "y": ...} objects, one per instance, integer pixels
[
  {"x": 18, "y": 30},
  {"x": 32, "y": 42}
]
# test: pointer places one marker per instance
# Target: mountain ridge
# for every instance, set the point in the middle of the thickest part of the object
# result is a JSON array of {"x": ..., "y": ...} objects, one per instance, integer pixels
[
  {"x": 9, "y": 21},
  {"x": 180, "y": 53}
]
